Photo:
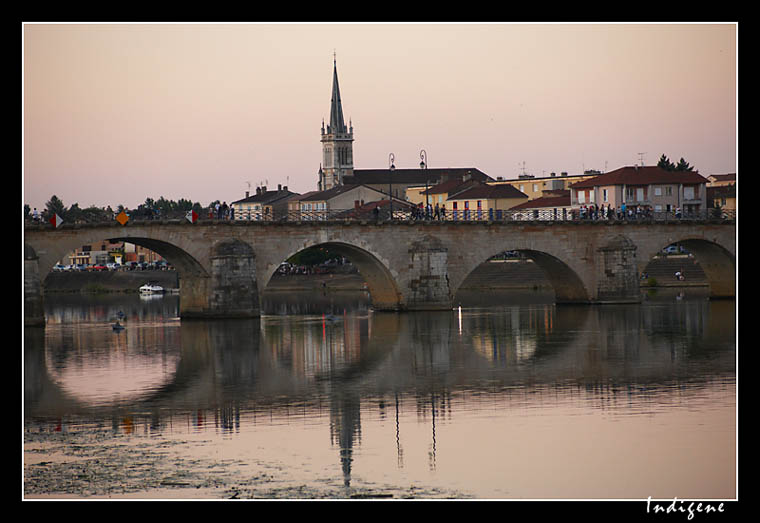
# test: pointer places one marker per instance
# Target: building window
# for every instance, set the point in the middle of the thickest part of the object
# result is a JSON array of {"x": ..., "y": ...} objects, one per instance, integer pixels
[
  {"x": 639, "y": 194},
  {"x": 658, "y": 191},
  {"x": 605, "y": 197},
  {"x": 668, "y": 191},
  {"x": 581, "y": 196},
  {"x": 688, "y": 193}
]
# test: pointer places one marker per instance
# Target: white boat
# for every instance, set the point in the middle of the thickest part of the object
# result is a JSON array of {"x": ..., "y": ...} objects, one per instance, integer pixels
[{"x": 151, "y": 288}]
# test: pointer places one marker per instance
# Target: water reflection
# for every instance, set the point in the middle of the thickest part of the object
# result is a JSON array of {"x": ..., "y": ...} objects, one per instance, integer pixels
[{"x": 353, "y": 369}]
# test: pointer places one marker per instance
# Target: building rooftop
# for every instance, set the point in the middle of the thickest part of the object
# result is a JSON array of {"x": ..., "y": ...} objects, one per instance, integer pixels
[
  {"x": 320, "y": 196},
  {"x": 414, "y": 176},
  {"x": 731, "y": 177},
  {"x": 550, "y": 200},
  {"x": 484, "y": 191},
  {"x": 641, "y": 175},
  {"x": 264, "y": 196}
]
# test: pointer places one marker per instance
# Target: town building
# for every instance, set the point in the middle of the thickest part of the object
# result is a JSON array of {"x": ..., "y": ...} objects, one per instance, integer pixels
[
  {"x": 553, "y": 205},
  {"x": 264, "y": 205},
  {"x": 535, "y": 187},
  {"x": 483, "y": 202},
  {"x": 721, "y": 191},
  {"x": 646, "y": 188},
  {"x": 322, "y": 204},
  {"x": 721, "y": 180}
]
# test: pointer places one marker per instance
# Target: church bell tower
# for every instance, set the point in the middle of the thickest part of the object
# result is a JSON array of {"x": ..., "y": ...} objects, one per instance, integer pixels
[{"x": 337, "y": 142}]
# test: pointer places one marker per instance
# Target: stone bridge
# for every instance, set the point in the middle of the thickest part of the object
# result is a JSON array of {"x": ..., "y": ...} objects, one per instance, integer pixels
[{"x": 224, "y": 266}]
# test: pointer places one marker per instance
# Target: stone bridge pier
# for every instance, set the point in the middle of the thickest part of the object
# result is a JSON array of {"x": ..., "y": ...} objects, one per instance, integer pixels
[
  {"x": 229, "y": 290},
  {"x": 224, "y": 267}
]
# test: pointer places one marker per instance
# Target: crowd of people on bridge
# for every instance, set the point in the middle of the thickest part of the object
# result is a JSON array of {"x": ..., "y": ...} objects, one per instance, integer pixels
[{"x": 594, "y": 212}]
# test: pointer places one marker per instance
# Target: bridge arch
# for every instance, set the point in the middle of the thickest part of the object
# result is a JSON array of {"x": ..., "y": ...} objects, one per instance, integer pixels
[
  {"x": 568, "y": 286},
  {"x": 715, "y": 259},
  {"x": 382, "y": 286},
  {"x": 181, "y": 259}
]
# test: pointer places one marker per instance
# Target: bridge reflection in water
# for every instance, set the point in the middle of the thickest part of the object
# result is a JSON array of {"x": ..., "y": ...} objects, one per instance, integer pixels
[{"x": 226, "y": 374}]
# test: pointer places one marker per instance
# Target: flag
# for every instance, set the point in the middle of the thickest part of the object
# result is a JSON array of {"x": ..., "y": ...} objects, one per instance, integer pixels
[
  {"x": 56, "y": 220},
  {"x": 192, "y": 216}
]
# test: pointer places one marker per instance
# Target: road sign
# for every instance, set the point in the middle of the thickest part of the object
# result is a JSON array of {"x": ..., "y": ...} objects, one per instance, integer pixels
[
  {"x": 192, "y": 216},
  {"x": 122, "y": 218},
  {"x": 56, "y": 220}
]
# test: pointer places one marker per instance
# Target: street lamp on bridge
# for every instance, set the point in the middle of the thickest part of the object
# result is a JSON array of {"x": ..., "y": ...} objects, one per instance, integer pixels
[
  {"x": 423, "y": 165},
  {"x": 391, "y": 168}
]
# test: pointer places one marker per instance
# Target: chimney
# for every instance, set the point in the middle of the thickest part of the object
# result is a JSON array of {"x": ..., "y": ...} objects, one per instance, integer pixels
[
  {"x": 258, "y": 190},
  {"x": 279, "y": 187},
  {"x": 246, "y": 194},
  {"x": 356, "y": 204},
  {"x": 285, "y": 188}
]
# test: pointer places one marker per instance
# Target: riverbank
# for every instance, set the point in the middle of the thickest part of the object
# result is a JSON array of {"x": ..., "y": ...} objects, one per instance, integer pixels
[
  {"x": 108, "y": 281},
  {"x": 489, "y": 277}
]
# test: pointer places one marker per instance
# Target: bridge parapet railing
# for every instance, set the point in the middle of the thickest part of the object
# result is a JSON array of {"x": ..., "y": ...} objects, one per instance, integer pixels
[{"x": 414, "y": 215}]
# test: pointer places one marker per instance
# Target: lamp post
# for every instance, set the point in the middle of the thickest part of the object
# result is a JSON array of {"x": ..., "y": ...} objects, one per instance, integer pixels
[
  {"x": 423, "y": 165},
  {"x": 391, "y": 168}
]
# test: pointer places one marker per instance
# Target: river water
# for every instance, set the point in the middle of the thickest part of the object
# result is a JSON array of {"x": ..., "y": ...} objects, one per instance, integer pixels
[{"x": 325, "y": 398}]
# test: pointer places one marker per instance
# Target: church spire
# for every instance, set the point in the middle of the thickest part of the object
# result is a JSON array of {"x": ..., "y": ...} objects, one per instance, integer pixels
[
  {"x": 337, "y": 123},
  {"x": 337, "y": 150}
]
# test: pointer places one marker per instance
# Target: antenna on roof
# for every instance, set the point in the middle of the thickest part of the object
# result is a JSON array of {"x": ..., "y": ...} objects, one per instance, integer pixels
[{"x": 641, "y": 158}]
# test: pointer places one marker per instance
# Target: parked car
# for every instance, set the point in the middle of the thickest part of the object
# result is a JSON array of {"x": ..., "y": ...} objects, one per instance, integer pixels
[
  {"x": 81, "y": 267},
  {"x": 59, "y": 268},
  {"x": 113, "y": 266},
  {"x": 98, "y": 267},
  {"x": 130, "y": 265},
  {"x": 674, "y": 249}
]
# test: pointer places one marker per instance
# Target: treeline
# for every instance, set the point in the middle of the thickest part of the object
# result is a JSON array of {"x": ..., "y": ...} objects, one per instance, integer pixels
[
  {"x": 150, "y": 208},
  {"x": 666, "y": 164}
]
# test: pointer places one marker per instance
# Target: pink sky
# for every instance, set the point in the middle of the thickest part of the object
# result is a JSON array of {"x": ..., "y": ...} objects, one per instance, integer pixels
[{"x": 116, "y": 113}]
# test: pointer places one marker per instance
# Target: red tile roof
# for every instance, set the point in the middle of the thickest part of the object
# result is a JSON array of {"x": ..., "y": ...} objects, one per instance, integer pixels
[
  {"x": 724, "y": 177},
  {"x": 641, "y": 175},
  {"x": 562, "y": 200},
  {"x": 489, "y": 191}
]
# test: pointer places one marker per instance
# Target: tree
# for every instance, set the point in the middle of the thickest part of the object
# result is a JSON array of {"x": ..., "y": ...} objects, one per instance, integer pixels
[
  {"x": 665, "y": 163},
  {"x": 74, "y": 213},
  {"x": 683, "y": 165},
  {"x": 55, "y": 206}
]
